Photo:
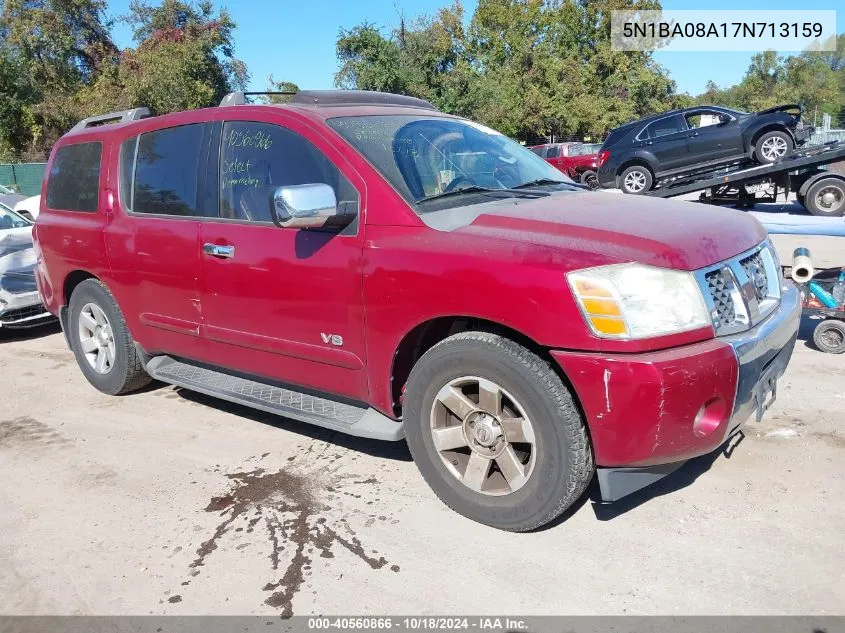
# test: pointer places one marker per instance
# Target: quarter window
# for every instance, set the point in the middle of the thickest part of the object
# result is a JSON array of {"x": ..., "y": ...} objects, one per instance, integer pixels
[
  {"x": 257, "y": 158},
  {"x": 166, "y": 170},
  {"x": 74, "y": 180}
]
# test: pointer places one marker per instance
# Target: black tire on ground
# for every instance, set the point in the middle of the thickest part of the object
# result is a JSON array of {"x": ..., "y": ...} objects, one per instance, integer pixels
[
  {"x": 636, "y": 180},
  {"x": 829, "y": 336},
  {"x": 801, "y": 200},
  {"x": 772, "y": 146},
  {"x": 826, "y": 197},
  {"x": 127, "y": 372},
  {"x": 590, "y": 178},
  {"x": 563, "y": 461}
]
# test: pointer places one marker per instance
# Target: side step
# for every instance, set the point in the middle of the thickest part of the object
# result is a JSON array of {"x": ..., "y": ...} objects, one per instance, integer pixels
[{"x": 330, "y": 414}]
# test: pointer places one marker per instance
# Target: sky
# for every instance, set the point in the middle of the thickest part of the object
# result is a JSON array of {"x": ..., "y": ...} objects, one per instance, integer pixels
[{"x": 295, "y": 41}]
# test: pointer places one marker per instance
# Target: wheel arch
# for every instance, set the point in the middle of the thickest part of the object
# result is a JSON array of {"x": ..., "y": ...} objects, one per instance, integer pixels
[
  {"x": 71, "y": 281},
  {"x": 809, "y": 182},
  {"x": 427, "y": 334},
  {"x": 631, "y": 162},
  {"x": 768, "y": 127}
]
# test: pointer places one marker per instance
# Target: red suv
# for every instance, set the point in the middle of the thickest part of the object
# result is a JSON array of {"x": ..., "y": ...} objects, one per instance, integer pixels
[{"x": 365, "y": 263}]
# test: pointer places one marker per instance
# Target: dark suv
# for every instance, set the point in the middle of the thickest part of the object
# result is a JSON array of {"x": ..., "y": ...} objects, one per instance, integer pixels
[{"x": 637, "y": 155}]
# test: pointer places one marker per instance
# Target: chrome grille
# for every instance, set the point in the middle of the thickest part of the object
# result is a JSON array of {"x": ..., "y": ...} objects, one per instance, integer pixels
[
  {"x": 743, "y": 290},
  {"x": 755, "y": 270},
  {"x": 724, "y": 312}
]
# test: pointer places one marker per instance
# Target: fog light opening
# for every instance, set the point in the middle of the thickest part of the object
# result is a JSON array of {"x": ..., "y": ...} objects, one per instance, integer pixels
[{"x": 709, "y": 417}]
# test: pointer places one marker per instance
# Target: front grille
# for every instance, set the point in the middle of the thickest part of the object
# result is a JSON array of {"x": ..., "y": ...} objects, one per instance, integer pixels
[
  {"x": 755, "y": 269},
  {"x": 15, "y": 315},
  {"x": 724, "y": 311},
  {"x": 742, "y": 291}
]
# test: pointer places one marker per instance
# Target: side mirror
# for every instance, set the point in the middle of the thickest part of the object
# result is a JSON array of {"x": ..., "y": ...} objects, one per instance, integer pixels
[
  {"x": 724, "y": 118},
  {"x": 309, "y": 206}
]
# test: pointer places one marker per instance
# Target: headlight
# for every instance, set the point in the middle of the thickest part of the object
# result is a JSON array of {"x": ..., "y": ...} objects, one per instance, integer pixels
[{"x": 634, "y": 301}]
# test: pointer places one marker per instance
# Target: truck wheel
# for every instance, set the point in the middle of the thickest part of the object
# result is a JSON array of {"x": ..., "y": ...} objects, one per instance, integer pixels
[
  {"x": 101, "y": 341},
  {"x": 829, "y": 336},
  {"x": 495, "y": 433},
  {"x": 826, "y": 197},
  {"x": 636, "y": 179},
  {"x": 590, "y": 178},
  {"x": 772, "y": 146}
]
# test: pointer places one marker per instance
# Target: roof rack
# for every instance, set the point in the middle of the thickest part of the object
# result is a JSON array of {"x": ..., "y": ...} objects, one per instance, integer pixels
[
  {"x": 121, "y": 116},
  {"x": 318, "y": 98}
]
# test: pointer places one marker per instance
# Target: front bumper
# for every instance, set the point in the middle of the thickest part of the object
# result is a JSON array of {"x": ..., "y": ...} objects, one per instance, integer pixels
[
  {"x": 647, "y": 413},
  {"x": 22, "y": 310}
]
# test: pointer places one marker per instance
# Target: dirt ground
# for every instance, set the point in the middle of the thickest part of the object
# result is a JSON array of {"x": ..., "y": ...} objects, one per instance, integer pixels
[{"x": 168, "y": 502}]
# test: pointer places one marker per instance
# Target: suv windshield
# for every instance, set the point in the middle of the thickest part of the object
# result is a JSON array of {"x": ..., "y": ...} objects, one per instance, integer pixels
[
  {"x": 11, "y": 220},
  {"x": 425, "y": 157}
]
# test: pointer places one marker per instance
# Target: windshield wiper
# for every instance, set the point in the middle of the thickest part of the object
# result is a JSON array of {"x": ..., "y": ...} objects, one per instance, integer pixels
[
  {"x": 483, "y": 190},
  {"x": 540, "y": 182}
]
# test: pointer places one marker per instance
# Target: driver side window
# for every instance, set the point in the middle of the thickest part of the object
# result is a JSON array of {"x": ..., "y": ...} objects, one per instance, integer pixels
[{"x": 257, "y": 158}]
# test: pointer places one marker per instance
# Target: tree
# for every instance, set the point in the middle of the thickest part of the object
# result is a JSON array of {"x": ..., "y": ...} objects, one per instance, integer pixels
[
  {"x": 49, "y": 49},
  {"x": 526, "y": 67}
]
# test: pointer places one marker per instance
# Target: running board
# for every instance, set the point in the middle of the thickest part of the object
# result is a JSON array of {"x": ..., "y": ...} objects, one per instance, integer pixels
[{"x": 330, "y": 414}]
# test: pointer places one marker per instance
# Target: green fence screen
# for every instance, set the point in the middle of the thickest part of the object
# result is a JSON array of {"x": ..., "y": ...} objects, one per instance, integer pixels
[{"x": 25, "y": 178}]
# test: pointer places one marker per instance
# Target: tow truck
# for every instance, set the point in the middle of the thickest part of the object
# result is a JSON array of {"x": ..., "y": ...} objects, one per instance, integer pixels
[{"x": 820, "y": 191}]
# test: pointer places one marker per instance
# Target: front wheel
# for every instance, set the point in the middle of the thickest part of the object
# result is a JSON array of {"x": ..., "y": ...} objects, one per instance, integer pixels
[
  {"x": 495, "y": 432},
  {"x": 772, "y": 146},
  {"x": 636, "y": 180}
]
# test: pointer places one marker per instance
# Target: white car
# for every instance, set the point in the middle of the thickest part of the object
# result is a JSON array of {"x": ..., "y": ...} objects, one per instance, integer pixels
[
  {"x": 28, "y": 207},
  {"x": 20, "y": 303}
]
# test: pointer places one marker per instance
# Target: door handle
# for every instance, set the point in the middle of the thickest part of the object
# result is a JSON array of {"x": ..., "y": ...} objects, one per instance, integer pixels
[
  {"x": 649, "y": 142},
  {"x": 219, "y": 250},
  {"x": 693, "y": 134}
]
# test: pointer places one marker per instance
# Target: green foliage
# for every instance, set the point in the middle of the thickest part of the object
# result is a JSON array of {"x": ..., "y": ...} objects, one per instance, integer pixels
[
  {"x": 526, "y": 67},
  {"x": 816, "y": 80},
  {"x": 58, "y": 64}
]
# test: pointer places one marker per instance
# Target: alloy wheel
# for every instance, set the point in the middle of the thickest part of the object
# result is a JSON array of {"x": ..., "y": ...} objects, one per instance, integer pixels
[
  {"x": 483, "y": 436},
  {"x": 96, "y": 338},
  {"x": 635, "y": 181},
  {"x": 773, "y": 148}
]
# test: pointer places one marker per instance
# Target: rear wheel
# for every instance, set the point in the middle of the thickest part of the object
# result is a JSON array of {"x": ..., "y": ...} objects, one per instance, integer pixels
[
  {"x": 772, "y": 146},
  {"x": 495, "y": 432},
  {"x": 590, "y": 178},
  {"x": 829, "y": 336},
  {"x": 826, "y": 197},
  {"x": 636, "y": 180},
  {"x": 101, "y": 341}
]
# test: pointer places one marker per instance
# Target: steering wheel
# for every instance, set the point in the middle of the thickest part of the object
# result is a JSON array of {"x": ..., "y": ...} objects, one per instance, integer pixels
[{"x": 455, "y": 182}]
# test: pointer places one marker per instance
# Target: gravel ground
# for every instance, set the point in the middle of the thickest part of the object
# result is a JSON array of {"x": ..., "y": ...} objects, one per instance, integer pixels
[{"x": 168, "y": 502}]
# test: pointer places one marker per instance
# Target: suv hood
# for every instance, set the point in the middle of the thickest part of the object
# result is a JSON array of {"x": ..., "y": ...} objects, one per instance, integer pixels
[{"x": 604, "y": 228}]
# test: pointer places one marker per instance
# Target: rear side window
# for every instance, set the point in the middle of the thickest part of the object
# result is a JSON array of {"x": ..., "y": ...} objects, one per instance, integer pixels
[
  {"x": 664, "y": 127},
  {"x": 554, "y": 152},
  {"x": 74, "y": 180},
  {"x": 166, "y": 171}
]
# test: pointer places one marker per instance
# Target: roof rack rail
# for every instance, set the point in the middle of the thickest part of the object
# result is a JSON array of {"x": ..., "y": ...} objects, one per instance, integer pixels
[
  {"x": 335, "y": 98},
  {"x": 239, "y": 98},
  {"x": 121, "y": 116}
]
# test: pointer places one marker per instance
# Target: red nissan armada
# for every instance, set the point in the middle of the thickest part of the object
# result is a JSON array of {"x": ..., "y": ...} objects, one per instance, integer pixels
[{"x": 365, "y": 263}]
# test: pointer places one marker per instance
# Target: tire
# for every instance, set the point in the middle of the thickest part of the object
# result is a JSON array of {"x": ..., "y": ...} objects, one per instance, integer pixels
[
  {"x": 829, "y": 336},
  {"x": 125, "y": 372},
  {"x": 555, "y": 469},
  {"x": 772, "y": 146},
  {"x": 590, "y": 178},
  {"x": 636, "y": 180},
  {"x": 826, "y": 198}
]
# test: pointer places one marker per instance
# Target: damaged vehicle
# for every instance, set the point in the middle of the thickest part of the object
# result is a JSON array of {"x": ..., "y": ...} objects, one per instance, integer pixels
[
  {"x": 20, "y": 303},
  {"x": 365, "y": 263},
  {"x": 638, "y": 155}
]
